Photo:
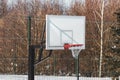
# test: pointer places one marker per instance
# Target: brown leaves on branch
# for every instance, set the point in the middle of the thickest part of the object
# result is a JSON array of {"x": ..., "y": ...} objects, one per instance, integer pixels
[{"x": 13, "y": 25}]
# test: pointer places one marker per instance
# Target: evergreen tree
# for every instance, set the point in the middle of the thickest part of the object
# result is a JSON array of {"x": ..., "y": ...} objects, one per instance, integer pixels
[
  {"x": 114, "y": 60},
  {"x": 116, "y": 34}
]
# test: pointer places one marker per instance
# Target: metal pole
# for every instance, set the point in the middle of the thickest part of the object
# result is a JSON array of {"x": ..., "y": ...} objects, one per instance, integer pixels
[
  {"x": 31, "y": 52},
  {"x": 31, "y": 62},
  {"x": 54, "y": 64},
  {"x": 77, "y": 67},
  {"x": 29, "y": 30}
]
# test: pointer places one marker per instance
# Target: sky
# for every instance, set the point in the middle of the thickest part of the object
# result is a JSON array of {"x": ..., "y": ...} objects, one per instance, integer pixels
[{"x": 66, "y": 1}]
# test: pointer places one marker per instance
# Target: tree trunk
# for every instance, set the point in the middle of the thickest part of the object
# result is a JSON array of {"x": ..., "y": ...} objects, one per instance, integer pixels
[{"x": 101, "y": 39}]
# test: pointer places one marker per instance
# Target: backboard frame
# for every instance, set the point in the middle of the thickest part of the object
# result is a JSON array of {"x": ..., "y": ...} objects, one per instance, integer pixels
[{"x": 54, "y": 24}]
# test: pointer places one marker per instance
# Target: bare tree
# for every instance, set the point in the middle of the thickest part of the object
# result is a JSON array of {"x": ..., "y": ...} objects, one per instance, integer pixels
[{"x": 3, "y": 7}]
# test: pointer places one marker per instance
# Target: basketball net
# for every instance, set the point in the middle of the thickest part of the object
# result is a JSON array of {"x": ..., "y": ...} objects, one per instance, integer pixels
[{"x": 75, "y": 49}]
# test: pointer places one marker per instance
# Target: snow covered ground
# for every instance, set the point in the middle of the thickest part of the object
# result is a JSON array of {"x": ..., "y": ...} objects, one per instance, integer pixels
[{"x": 24, "y": 77}]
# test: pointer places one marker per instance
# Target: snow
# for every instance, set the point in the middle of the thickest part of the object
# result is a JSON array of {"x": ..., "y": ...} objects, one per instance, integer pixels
[{"x": 25, "y": 77}]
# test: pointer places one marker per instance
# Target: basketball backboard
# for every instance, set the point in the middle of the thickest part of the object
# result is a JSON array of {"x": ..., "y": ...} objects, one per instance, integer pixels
[{"x": 64, "y": 29}]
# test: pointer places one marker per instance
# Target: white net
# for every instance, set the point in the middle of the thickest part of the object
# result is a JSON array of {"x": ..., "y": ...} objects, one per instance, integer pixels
[{"x": 75, "y": 51}]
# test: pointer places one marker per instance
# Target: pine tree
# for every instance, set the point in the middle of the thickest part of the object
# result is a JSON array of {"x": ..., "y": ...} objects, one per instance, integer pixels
[
  {"x": 114, "y": 60},
  {"x": 116, "y": 34}
]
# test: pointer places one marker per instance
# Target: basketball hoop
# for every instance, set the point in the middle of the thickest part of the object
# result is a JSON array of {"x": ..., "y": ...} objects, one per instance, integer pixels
[{"x": 75, "y": 49}]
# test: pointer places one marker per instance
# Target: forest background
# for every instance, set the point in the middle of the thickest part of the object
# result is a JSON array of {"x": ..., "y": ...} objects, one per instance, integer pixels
[{"x": 100, "y": 37}]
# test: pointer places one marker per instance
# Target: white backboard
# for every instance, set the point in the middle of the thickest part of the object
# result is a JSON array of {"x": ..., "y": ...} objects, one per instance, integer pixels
[{"x": 64, "y": 29}]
